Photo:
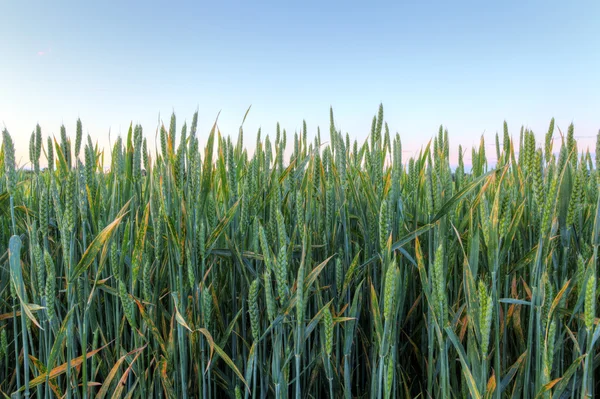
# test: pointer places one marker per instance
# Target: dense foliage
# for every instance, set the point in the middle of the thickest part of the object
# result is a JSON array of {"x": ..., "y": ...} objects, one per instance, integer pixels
[{"x": 341, "y": 271}]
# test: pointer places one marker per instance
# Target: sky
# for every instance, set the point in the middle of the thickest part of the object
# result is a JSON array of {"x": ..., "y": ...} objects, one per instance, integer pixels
[{"x": 467, "y": 65}]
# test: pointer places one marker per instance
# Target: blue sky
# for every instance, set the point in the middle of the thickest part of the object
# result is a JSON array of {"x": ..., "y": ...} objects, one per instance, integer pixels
[{"x": 467, "y": 65}]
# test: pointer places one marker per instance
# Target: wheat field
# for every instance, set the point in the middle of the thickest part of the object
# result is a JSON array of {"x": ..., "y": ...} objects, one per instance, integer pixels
[{"x": 341, "y": 271}]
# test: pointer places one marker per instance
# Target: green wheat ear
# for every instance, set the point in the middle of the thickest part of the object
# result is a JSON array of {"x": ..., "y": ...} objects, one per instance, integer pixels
[
  {"x": 128, "y": 305},
  {"x": 50, "y": 288},
  {"x": 253, "y": 309},
  {"x": 328, "y": 328},
  {"x": 40, "y": 268},
  {"x": 389, "y": 380},
  {"x": 269, "y": 297},
  {"x": 78, "y": 137},
  {"x": 4, "y": 343},
  {"x": 439, "y": 284},
  {"x": 50, "y": 155},
  {"x": 572, "y": 144},
  {"x": 32, "y": 149},
  {"x": 70, "y": 215},
  {"x": 548, "y": 141},
  {"x": 390, "y": 291},
  {"x": 590, "y": 299},
  {"x": 384, "y": 224},
  {"x": 9, "y": 162},
  {"x": 485, "y": 317}
]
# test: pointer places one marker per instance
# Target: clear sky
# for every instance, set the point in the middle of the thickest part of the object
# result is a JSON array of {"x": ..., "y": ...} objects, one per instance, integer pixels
[{"x": 465, "y": 64}]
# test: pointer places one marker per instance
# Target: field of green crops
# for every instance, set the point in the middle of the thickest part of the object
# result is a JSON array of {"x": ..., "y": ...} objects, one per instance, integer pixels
[{"x": 340, "y": 271}]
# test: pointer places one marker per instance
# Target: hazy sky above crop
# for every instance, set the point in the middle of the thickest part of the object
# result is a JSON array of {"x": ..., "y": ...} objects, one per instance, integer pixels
[{"x": 465, "y": 64}]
